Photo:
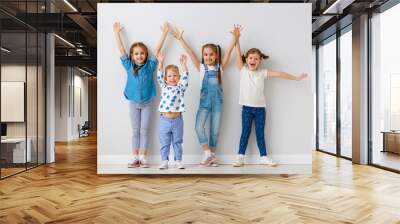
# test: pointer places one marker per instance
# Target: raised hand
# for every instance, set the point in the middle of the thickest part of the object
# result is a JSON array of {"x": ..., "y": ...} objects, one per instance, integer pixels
[
  {"x": 117, "y": 32},
  {"x": 117, "y": 27},
  {"x": 177, "y": 34},
  {"x": 236, "y": 30},
  {"x": 165, "y": 28},
  {"x": 183, "y": 60},
  {"x": 301, "y": 77},
  {"x": 160, "y": 58}
]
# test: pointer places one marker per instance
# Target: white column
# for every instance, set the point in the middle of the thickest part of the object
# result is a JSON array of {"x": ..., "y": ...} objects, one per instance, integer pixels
[{"x": 50, "y": 100}]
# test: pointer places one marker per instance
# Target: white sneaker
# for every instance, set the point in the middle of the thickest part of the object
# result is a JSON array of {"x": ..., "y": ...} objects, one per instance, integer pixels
[
  {"x": 133, "y": 163},
  {"x": 164, "y": 165},
  {"x": 207, "y": 159},
  {"x": 179, "y": 164},
  {"x": 265, "y": 160},
  {"x": 214, "y": 161},
  {"x": 239, "y": 161},
  {"x": 143, "y": 162}
]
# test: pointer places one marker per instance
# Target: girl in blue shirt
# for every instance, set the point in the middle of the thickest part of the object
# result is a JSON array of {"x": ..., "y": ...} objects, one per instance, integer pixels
[{"x": 139, "y": 90}]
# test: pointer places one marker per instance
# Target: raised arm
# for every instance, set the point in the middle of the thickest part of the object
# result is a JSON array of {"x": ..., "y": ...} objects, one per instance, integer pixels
[
  {"x": 179, "y": 36},
  {"x": 160, "y": 58},
  {"x": 236, "y": 33},
  {"x": 160, "y": 67},
  {"x": 184, "y": 78},
  {"x": 117, "y": 31},
  {"x": 164, "y": 29},
  {"x": 183, "y": 61},
  {"x": 239, "y": 60},
  {"x": 284, "y": 75}
]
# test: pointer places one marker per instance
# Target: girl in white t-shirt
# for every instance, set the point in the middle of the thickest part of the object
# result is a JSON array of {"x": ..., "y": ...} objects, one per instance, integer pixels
[{"x": 252, "y": 98}]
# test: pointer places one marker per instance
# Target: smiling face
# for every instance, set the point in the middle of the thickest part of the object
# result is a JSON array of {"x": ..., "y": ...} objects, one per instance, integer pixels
[
  {"x": 253, "y": 58},
  {"x": 139, "y": 55},
  {"x": 172, "y": 76},
  {"x": 210, "y": 55},
  {"x": 253, "y": 61}
]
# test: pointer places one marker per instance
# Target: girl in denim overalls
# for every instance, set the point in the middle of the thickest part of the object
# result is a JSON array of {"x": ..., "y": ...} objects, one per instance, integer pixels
[
  {"x": 139, "y": 90},
  {"x": 211, "y": 69}
]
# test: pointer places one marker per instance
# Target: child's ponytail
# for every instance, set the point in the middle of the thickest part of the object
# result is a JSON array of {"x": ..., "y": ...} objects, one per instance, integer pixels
[
  {"x": 254, "y": 51},
  {"x": 219, "y": 65}
]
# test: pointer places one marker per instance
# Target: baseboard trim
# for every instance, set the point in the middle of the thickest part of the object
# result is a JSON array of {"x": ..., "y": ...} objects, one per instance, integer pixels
[{"x": 195, "y": 159}]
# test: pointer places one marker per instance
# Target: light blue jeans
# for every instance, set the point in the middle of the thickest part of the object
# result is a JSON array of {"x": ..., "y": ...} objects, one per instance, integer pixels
[
  {"x": 140, "y": 114},
  {"x": 171, "y": 132},
  {"x": 210, "y": 104}
]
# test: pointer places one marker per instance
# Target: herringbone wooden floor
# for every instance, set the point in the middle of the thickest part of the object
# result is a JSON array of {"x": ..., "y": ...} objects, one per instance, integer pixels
[{"x": 70, "y": 191}]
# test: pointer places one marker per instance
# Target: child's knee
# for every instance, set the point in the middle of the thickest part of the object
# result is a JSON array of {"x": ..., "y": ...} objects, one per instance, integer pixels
[
  {"x": 143, "y": 131},
  {"x": 135, "y": 132}
]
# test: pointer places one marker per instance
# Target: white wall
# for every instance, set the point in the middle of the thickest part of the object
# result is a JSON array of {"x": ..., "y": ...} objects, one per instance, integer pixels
[
  {"x": 61, "y": 103},
  {"x": 283, "y": 31},
  {"x": 68, "y": 80},
  {"x": 80, "y": 84}
]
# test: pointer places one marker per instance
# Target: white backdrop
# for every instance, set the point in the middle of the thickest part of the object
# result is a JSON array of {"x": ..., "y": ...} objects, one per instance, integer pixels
[{"x": 282, "y": 31}]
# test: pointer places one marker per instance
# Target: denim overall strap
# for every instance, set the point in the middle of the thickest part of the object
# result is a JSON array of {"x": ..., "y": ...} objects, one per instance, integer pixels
[
  {"x": 205, "y": 79},
  {"x": 211, "y": 73}
]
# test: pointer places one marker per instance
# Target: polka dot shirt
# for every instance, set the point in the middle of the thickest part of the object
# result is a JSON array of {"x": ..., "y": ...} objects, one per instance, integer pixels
[{"x": 172, "y": 97}]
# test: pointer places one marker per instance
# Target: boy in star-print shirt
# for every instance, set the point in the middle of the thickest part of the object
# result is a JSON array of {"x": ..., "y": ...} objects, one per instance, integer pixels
[{"x": 172, "y": 104}]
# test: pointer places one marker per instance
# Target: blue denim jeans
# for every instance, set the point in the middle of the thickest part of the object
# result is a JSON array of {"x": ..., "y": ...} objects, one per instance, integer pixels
[
  {"x": 171, "y": 132},
  {"x": 210, "y": 104},
  {"x": 215, "y": 120},
  {"x": 248, "y": 115},
  {"x": 140, "y": 114}
]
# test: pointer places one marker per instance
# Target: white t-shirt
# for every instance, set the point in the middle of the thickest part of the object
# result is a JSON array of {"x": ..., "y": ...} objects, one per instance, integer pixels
[{"x": 252, "y": 87}]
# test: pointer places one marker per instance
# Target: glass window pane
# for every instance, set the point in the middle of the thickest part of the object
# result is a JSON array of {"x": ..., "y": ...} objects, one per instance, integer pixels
[
  {"x": 32, "y": 95},
  {"x": 327, "y": 97},
  {"x": 385, "y": 83},
  {"x": 14, "y": 153},
  {"x": 346, "y": 94},
  {"x": 22, "y": 88}
]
